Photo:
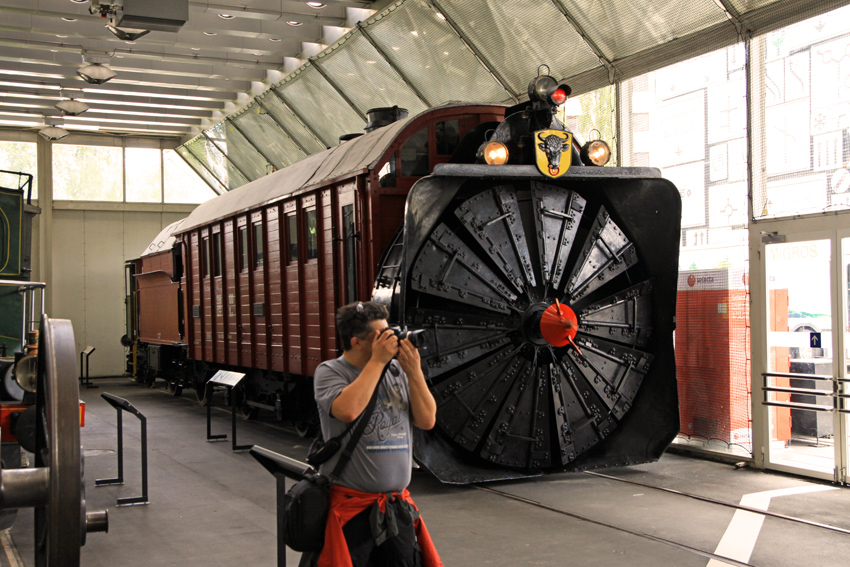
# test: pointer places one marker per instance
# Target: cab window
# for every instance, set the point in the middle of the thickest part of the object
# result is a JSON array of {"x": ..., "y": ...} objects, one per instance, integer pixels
[
  {"x": 386, "y": 177},
  {"x": 414, "y": 155},
  {"x": 447, "y": 135}
]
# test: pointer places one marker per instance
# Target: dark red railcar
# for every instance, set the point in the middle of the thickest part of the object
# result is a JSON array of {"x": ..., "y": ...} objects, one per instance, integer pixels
[{"x": 268, "y": 264}]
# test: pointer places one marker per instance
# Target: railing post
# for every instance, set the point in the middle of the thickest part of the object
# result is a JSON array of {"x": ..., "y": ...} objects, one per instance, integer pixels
[{"x": 120, "y": 404}]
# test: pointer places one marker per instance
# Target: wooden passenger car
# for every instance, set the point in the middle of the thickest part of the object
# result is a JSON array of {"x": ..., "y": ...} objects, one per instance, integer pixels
[{"x": 268, "y": 264}]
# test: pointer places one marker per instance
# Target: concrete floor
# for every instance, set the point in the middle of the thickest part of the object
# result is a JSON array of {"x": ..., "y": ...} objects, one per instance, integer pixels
[{"x": 210, "y": 506}]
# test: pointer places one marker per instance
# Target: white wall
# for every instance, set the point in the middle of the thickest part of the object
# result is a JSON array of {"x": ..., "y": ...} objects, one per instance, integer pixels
[{"x": 89, "y": 248}]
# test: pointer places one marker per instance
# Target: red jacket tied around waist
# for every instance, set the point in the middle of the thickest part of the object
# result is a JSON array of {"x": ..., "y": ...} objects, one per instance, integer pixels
[{"x": 345, "y": 503}]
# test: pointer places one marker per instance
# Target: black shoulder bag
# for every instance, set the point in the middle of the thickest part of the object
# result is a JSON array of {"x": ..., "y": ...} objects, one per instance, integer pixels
[{"x": 306, "y": 503}]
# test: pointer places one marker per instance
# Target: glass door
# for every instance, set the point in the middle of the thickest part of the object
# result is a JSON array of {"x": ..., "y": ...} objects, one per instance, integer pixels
[
  {"x": 801, "y": 357},
  {"x": 843, "y": 387}
]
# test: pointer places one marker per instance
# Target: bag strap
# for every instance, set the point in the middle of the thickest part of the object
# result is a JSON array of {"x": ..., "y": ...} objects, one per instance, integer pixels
[{"x": 358, "y": 431}]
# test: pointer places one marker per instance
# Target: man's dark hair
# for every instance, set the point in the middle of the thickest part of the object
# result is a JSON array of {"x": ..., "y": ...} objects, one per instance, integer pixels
[{"x": 353, "y": 320}]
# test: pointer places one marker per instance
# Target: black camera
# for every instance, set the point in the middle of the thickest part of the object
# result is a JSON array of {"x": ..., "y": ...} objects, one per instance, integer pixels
[{"x": 416, "y": 337}]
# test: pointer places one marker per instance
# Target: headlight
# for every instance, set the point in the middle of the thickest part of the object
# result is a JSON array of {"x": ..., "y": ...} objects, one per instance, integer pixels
[
  {"x": 596, "y": 152},
  {"x": 496, "y": 153}
]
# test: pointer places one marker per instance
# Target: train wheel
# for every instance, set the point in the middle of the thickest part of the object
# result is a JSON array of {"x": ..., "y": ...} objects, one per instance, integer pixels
[
  {"x": 247, "y": 412},
  {"x": 539, "y": 317},
  {"x": 243, "y": 408},
  {"x": 61, "y": 523},
  {"x": 149, "y": 378},
  {"x": 199, "y": 372},
  {"x": 201, "y": 394},
  {"x": 174, "y": 388},
  {"x": 305, "y": 429}
]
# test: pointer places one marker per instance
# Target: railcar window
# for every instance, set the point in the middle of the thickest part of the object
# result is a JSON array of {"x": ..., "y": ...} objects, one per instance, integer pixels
[
  {"x": 312, "y": 234},
  {"x": 414, "y": 154},
  {"x": 216, "y": 260},
  {"x": 258, "y": 245},
  {"x": 448, "y": 136},
  {"x": 292, "y": 235},
  {"x": 243, "y": 248},
  {"x": 349, "y": 234},
  {"x": 386, "y": 177},
  {"x": 205, "y": 257}
]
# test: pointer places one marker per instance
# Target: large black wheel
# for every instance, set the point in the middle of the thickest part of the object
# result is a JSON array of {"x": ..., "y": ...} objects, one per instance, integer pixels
[
  {"x": 61, "y": 521},
  {"x": 539, "y": 313}
]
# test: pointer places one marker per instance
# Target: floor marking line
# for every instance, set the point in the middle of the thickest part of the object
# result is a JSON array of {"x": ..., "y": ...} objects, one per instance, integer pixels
[
  {"x": 722, "y": 503},
  {"x": 712, "y": 556},
  {"x": 741, "y": 536}
]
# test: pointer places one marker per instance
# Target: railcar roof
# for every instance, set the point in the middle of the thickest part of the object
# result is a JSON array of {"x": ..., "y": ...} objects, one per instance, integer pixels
[
  {"x": 165, "y": 239},
  {"x": 338, "y": 162}
]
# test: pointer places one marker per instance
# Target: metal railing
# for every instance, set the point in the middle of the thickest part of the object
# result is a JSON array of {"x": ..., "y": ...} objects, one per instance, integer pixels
[{"x": 838, "y": 399}]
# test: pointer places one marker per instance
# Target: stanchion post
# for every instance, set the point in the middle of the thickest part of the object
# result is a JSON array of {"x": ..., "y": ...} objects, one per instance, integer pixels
[
  {"x": 281, "y": 467},
  {"x": 120, "y": 478},
  {"x": 281, "y": 518},
  {"x": 210, "y": 437},
  {"x": 120, "y": 404},
  {"x": 233, "y": 446},
  {"x": 229, "y": 380},
  {"x": 85, "y": 378}
]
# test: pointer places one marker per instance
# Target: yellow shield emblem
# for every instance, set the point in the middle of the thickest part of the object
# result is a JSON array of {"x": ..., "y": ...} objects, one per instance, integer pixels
[{"x": 553, "y": 152}]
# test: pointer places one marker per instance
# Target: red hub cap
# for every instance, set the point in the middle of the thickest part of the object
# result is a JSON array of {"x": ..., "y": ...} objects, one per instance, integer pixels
[{"x": 558, "y": 324}]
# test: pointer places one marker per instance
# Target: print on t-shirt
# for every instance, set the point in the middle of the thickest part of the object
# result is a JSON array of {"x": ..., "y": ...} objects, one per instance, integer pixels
[{"x": 385, "y": 432}]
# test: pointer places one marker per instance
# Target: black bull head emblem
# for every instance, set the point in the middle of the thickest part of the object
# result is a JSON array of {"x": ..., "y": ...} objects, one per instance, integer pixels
[{"x": 553, "y": 145}]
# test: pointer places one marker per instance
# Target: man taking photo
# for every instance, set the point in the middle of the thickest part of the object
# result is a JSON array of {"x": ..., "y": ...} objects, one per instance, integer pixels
[{"x": 372, "y": 520}]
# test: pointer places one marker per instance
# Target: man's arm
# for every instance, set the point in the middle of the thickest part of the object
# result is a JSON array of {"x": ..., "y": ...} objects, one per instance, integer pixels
[
  {"x": 422, "y": 404},
  {"x": 354, "y": 398}
]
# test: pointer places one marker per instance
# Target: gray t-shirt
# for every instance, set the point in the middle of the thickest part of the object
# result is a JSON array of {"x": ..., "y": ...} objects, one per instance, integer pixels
[{"x": 382, "y": 460}]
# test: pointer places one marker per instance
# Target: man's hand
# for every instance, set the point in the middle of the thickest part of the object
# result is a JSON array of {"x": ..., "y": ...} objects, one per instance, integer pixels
[
  {"x": 408, "y": 357},
  {"x": 384, "y": 346},
  {"x": 422, "y": 404}
]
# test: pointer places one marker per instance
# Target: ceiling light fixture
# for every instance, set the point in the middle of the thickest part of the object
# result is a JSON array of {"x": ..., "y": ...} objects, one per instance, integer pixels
[
  {"x": 210, "y": 33},
  {"x": 294, "y": 23},
  {"x": 72, "y": 107},
  {"x": 52, "y": 133},
  {"x": 70, "y": 19},
  {"x": 126, "y": 35},
  {"x": 195, "y": 48},
  {"x": 80, "y": 1},
  {"x": 61, "y": 36},
  {"x": 274, "y": 39},
  {"x": 316, "y": 5},
  {"x": 96, "y": 73},
  {"x": 226, "y": 16}
]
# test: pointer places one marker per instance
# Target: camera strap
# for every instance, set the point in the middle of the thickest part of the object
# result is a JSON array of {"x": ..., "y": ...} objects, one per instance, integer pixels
[{"x": 358, "y": 431}]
